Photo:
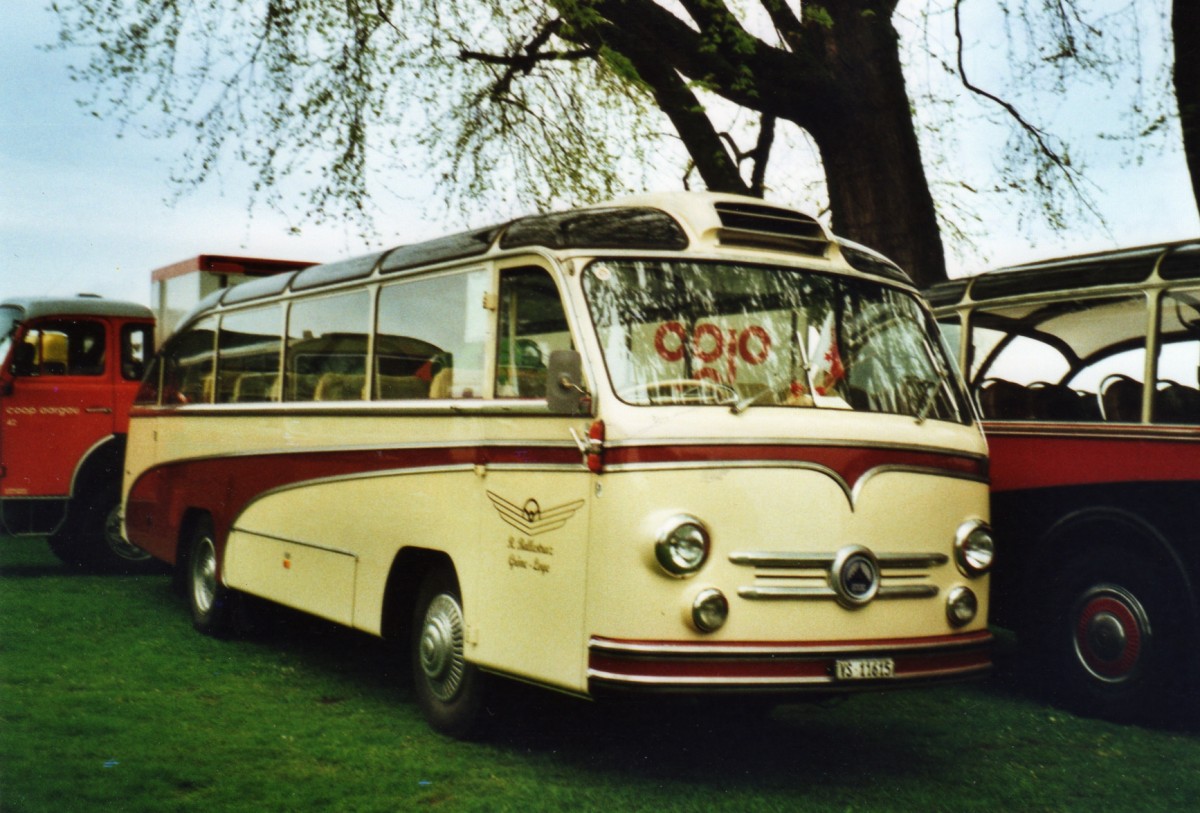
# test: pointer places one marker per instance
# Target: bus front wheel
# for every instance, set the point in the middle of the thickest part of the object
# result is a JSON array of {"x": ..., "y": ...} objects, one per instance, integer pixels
[{"x": 449, "y": 689}]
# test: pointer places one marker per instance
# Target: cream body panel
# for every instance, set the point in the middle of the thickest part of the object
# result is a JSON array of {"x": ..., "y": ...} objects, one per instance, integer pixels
[
  {"x": 774, "y": 510},
  {"x": 307, "y": 577},
  {"x": 524, "y": 587},
  {"x": 366, "y": 520}
]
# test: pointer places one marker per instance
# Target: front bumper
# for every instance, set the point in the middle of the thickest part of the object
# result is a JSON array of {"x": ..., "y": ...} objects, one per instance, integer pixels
[{"x": 786, "y": 667}]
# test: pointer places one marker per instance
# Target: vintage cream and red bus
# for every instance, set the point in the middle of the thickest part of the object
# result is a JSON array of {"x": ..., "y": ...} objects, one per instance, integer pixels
[
  {"x": 680, "y": 443},
  {"x": 69, "y": 369},
  {"x": 1085, "y": 371}
]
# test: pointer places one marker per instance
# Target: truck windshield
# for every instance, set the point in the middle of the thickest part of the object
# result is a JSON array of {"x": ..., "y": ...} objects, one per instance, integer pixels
[{"x": 732, "y": 334}]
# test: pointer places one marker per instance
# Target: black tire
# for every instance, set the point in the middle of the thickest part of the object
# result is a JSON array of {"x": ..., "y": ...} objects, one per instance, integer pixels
[
  {"x": 450, "y": 691},
  {"x": 1117, "y": 639},
  {"x": 91, "y": 537},
  {"x": 211, "y": 602}
]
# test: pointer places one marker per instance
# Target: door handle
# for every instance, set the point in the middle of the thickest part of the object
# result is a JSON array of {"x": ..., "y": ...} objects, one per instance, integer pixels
[{"x": 98, "y": 410}]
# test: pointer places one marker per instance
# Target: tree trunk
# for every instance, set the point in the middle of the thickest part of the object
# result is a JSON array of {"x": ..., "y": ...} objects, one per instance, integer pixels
[
  {"x": 1185, "y": 25},
  {"x": 878, "y": 192}
]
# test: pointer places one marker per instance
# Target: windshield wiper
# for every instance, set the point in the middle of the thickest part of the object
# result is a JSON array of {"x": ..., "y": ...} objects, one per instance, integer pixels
[{"x": 740, "y": 406}]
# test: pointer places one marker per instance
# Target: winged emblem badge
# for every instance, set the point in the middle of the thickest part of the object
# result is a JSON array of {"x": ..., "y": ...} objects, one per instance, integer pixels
[{"x": 531, "y": 519}]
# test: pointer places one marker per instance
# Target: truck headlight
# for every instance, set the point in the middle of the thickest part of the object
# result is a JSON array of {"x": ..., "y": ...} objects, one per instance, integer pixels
[
  {"x": 974, "y": 548},
  {"x": 682, "y": 546}
]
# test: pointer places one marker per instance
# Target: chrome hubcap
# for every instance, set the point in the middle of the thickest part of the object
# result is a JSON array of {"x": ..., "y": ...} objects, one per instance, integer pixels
[
  {"x": 204, "y": 575},
  {"x": 117, "y": 543},
  {"x": 440, "y": 649},
  {"x": 1112, "y": 633}
]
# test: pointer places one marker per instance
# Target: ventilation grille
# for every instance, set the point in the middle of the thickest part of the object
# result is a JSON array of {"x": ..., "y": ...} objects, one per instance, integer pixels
[{"x": 746, "y": 224}]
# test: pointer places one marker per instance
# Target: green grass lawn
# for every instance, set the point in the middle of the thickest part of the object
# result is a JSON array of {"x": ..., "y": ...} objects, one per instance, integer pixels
[{"x": 110, "y": 701}]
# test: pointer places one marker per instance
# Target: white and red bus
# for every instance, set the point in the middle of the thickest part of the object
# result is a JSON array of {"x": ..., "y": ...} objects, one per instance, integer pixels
[
  {"x": 680, "y": 443},
  {"x": 1085, "y": 372},
  {"x": 69, "y": 369}
]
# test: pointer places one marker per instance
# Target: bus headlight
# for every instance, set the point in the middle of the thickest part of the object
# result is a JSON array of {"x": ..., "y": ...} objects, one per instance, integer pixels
[
  {"x": 961, "y": 606},
  {"x": 682, "y": 546},
  {"x": 974, "y": 548},
  {"x": 710, "y": 608}
]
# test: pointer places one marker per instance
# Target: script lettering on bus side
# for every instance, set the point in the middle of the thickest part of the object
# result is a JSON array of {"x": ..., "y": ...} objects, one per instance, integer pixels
[{"x": 518, "y": 547}]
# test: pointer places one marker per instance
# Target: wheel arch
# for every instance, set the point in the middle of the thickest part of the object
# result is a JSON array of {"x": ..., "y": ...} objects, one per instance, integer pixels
[
  {"x": 1111, "y": 529},
  {"x": 404, "y": 581},
  {"x": 101, "y": 465}
]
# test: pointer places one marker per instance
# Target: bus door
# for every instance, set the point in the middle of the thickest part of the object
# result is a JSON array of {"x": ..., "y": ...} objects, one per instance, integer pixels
[
  {"x": 535, "y": 523},
  {"x": 61, "y": 404}
]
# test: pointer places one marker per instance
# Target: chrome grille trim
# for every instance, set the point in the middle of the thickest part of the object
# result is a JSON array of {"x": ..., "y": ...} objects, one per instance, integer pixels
[
  {"x": 885, "y": 592},
  {"x": 777, "y": 573}
]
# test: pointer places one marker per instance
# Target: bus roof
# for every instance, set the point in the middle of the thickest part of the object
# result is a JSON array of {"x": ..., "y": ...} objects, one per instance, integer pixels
[
  {"x": 1169, "y": 261},
  {"x": 82, "y": 305},
  {"x": 653, "y": 222}
]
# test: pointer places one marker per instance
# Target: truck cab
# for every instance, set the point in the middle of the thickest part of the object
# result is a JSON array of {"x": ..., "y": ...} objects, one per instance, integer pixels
[{"x": 69, "y": 369}]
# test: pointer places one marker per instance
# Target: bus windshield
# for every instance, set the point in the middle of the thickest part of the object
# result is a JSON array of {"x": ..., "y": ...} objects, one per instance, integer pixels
[{"x": 734, "y": 334}]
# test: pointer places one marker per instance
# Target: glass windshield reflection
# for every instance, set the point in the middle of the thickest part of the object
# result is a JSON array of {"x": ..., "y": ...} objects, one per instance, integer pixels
[{"x": 744, "y": 335}]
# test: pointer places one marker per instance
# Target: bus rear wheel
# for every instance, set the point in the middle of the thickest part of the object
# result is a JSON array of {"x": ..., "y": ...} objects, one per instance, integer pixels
[
  {"x": 210, "y": 601},
  {"x": 1116, "y": 644},
  {"x": 449, "y": 689}
]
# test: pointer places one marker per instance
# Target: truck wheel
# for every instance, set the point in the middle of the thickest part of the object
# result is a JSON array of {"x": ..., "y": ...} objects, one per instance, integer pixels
[
  {"x": 1117, "y": 636},
  {"x": 449, "y": 689},
  {"x": 91, "y": 539},
  {"x": 119, "y": 552},
  {"x": 211, "y": 602}
]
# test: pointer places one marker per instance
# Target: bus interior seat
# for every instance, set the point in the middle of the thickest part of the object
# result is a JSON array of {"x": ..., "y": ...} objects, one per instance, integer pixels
[
  {"x": 340, "y": 387},
  {"x": 1176, "y": 403},
  {"x": 442, "y": 383},
  {"x": 1003, "y": 400},
  {"x": 1120, "y": 399},
  {"x": 1058, "y": 402},
  {"x": 256, "y": 388}
]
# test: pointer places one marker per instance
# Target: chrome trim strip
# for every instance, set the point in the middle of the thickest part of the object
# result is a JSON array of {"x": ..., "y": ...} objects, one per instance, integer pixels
[
  {"x": 851, "y": 494},
  {"x": 653, "y": 680},
  {"x": 675, "y": 649},
  {"x": 913, "y": 561},
  {"x": 415, "y": 408},
  {"x": 351, "y": 477},
  {"x": 1092, "y": 431},
  {"x": 464, "y": 443},
  {"x": 885, "y": 592},
  {"x": 848, "y": 443},
  {"x": 297, "y": 542}
]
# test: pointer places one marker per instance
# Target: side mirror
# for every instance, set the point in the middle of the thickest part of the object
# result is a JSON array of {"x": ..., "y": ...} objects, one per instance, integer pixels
[{"x": 564, "y": 391}]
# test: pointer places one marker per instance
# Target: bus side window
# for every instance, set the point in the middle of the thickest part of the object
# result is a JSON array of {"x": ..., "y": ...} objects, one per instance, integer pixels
[
  {"x": 429, "y": 340},
  {"x": 532, "y": 324},
  {"x": 1177, "y": 391},
  {"x": 248, "y": 356},
  {"x": 327, "y": 348},
  {"x": 187, "y": 364}
]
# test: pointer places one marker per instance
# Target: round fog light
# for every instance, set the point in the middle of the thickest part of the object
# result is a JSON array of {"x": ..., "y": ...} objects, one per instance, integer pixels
[
  {"x": 961, "y": 606},
  {"x": 682, "y": 546},
  {"x": 710, "y": 609}
]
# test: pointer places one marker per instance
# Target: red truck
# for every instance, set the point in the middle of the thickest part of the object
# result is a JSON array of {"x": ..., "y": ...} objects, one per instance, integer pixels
[{"x": 69, "y": 370}]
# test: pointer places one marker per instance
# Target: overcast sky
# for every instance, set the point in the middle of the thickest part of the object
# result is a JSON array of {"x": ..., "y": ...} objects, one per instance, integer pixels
[{"x": 84, "y": 209}]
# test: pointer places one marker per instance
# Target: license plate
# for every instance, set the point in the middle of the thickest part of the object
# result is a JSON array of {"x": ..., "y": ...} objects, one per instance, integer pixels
[{"x": 865, "y": 669}]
